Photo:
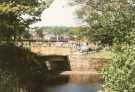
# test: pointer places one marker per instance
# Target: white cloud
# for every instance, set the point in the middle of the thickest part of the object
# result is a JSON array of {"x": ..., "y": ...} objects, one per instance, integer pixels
[{"x": 59, "y": 14}]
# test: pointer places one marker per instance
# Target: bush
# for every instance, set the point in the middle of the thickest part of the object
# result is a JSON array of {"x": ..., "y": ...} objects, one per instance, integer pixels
[
  {"x": 119, "y": 77},
  {"x": 29, "y": 70}
]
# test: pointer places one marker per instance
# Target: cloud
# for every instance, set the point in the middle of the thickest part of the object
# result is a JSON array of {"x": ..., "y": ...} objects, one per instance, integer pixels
[{"x": 60, "y": 13}]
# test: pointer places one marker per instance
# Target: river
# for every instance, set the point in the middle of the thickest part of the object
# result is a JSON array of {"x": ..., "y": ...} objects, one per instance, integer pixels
[{"x": 75, "y": 83}]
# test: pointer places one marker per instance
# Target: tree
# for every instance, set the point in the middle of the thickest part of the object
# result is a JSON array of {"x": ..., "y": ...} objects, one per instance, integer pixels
[
  {"x": 19, "y": 67},
  {"x": 115, "y": 19},
  {"x": 39, "y": 33},
  {"x": 13, "y": 25},
  {"x": 103, "y": 18}
]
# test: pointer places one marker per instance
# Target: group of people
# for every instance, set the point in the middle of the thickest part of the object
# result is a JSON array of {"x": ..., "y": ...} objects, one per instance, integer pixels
[{"x": 81, "y": 47}]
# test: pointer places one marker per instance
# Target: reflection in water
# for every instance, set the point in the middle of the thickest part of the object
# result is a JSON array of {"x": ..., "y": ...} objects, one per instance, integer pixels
[
  {"x": 75, "y": 83},
  {"x": 73, "y": 88},
  {"x": 84, "y": 79}
]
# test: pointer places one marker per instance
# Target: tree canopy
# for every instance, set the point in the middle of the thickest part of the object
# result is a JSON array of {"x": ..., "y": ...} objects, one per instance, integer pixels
[
  {"x": 13, "y": 25},
  {"x": 107, "y": 20},
  {"x": 114, "y": 19},
  {"x": 19, "y": 67}
]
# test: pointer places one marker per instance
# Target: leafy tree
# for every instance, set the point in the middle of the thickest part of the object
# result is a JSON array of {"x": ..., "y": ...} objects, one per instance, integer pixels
[
  {"x": 40, "y": 33},
  {"x": 13, "y": 25},
  {"x": 27, "y": 35},
  {"x": 115, "y": 19},
  {"x": 22, "y": 70},
  {"x": 104, "y": 19},
  {"x": 79, "y": 33},
  {"x": 55, "y": 30},
  {"x": 18, "y": 66}
]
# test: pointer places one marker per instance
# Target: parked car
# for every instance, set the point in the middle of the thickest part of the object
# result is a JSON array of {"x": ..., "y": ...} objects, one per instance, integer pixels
[{"x": 84, "y": 48}]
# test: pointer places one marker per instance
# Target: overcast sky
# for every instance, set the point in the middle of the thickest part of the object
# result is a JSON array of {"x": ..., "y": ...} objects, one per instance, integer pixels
[{"x": 60, "y": 13}]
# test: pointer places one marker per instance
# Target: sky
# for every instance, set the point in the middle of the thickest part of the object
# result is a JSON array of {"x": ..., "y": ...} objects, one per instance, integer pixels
[{"x": 60, "y": 13}]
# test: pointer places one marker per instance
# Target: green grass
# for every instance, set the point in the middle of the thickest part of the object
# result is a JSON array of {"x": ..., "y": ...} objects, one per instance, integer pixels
[{"x": 101, "y": 54}]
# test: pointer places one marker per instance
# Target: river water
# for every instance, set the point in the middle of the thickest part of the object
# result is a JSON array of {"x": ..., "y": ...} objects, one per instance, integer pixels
[{"x": 75, "y": 83}]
